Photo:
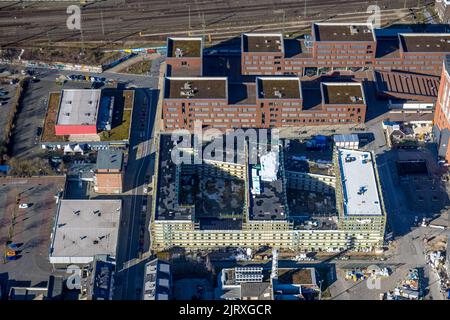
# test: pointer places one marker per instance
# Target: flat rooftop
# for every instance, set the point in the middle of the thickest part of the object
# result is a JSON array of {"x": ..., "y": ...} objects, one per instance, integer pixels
[
  {"x": 167, "y": 207},
  {"x": 267, "y": 200},
  {"x": 278, "y": 88},
  {"x": 196, "y": 88},
  {"x": 109, "y": 159},
  {"x": 343, "y": 93},
  {"x": 422, "y": 42},
  {"x": 359, "y": 184},
  {"x": 260, "y": 42},
  {"x": 78, "y": 107},
  {"x": 120, "y": 125},
  {"x": 404, "y": 85},
  {"x": 184, "y": 47},
  {"x": 85, "y": 228},
  {"x": 343, "y": 32}
]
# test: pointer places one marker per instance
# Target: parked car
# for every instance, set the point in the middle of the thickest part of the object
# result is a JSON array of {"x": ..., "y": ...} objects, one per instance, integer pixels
[{"x": 23, "y": 205}]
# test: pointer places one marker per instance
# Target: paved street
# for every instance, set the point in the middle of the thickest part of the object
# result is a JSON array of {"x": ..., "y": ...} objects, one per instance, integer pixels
[{"x": 138, "y": 169}]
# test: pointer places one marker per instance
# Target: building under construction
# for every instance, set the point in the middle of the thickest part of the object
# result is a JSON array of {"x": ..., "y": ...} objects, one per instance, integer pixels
[{"x": 234, "y": 200}]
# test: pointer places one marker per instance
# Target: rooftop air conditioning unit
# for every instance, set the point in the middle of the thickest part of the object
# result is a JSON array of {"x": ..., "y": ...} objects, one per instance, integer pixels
[
  {"x": 178, "y": 53},
  {"x": 278, "y": 94}
]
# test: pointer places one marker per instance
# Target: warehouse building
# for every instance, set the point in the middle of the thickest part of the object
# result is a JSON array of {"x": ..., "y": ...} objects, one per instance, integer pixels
[
  {"x": 81, "y": 119},
  {"x": 78, "y": 111},
  {"x": 84, "y": 229}
]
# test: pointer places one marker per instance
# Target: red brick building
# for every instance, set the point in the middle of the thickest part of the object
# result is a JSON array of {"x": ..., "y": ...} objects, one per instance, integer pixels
[
  {"x": 270, "y": 102},
  {"x": 343, "y": 46},
  {"x": 442, "y": 113},
  {"x": 184, "y": 56}
]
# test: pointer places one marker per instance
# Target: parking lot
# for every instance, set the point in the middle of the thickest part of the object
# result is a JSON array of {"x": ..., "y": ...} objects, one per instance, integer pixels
[
  {"x": 29, "y": 118},
  {"x": 7, "y": 95},
  {"x": 31, "y": 115},
  {"x": 30, "y": 227}
]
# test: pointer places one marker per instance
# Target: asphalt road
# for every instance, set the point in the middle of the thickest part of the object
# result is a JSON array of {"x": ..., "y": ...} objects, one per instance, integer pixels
[{"x": 138, "y": 168}]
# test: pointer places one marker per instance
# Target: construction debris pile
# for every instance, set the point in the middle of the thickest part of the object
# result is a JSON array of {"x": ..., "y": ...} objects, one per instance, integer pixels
[
  {"x": 407, "y": 289},
  {"x": 436, "y": 259},
  {"x": 358, "y": 274}
]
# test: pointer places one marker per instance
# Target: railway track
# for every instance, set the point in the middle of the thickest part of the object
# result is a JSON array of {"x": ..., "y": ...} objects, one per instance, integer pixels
[{"x": 126, "y": 20}]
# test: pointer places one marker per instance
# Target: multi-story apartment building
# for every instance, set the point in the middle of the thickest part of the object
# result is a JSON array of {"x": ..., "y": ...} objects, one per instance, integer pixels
[
  {"x": 271, "y": 102},
  {"x": 343, "y": 46},
  {"x": 184, "y": 56},
  {"x": 442, "y": 113},
  {"x": 195, "y": 210}
]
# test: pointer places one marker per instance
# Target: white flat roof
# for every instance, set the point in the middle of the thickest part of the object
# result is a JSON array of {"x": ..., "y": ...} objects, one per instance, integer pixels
[
  {"x": 79, "y": 107},
  {"x": 84, "y": 228},
  {"x": 359, "y": 185}
]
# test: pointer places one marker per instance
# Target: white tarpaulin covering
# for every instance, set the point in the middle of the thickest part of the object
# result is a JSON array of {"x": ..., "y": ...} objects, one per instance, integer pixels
[
  {"x": 269, "y": 166},
  {"x": 68, "y": 149}
]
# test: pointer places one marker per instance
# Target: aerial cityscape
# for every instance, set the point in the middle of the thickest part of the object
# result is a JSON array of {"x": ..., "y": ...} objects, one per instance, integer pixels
[{"x": 224, "y": 150}]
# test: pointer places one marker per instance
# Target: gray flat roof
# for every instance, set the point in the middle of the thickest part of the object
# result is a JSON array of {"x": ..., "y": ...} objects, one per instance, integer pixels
[
  {"x": 270, "y": 203},
  {"x": 343, "y": 32},
  {"x": 359, "y": 185},
  {"x": 78, "y": 107},
  {"x": 261, "y": 42},
  {"x": 109, "y": 159},
  {"x": 423, "y": 42},
  {"x": 196, "y": 88},
  {"x": 343, "y": 93},
  {"x": 278, "y": 88},
  {"x": 184, "y": 47},
  {"x": 85, "y": 228},
  {"x": 167, "y": 207}
]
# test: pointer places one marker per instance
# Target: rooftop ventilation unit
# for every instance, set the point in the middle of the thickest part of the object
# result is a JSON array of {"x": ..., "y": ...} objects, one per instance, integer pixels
[
  {"x": 278, "y": 94},
  {"x": 187, "y": 90},
  {"x": 178, "y": 53},
  {"x": 354, "y": 30}
]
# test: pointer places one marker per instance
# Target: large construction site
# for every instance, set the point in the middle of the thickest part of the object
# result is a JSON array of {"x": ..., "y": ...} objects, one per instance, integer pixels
[{"x": 302, "y": 195}]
